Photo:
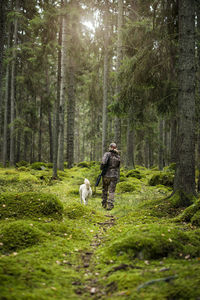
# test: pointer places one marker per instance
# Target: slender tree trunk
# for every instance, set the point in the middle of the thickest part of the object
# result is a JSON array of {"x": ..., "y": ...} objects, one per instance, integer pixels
[
  {"x": 130, "y": 139},
  {"x": 105, "y": 87},
  {"x": 70, "y": 116},
  {"x": 13, "y": 64},
  {"x": 40, "y": 133},
  {"x": 198, "y": 87},
  {"x": 56, "y": 108},
  {"x": 6, "y": 104},
  {"x": 161, "y": 145},
  {"x": 2, "y": 43},
  {"x": 50, "y": 137},
  {"x": 173, "y": 155},
  {"x": 63, "y": 92},
  {"x": 119, "y": 58},
  {"x": 185, "y": 172}
]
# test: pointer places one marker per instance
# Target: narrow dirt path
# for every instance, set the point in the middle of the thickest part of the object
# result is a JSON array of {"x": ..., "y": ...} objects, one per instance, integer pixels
[{"x": 92, "y": 285}]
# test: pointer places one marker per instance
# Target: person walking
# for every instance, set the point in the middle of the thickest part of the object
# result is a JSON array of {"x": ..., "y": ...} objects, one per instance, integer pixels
[{"x": 111, "y": 165}]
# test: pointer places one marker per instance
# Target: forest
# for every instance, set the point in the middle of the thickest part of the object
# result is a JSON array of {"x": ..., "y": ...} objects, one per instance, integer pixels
[{"x": 76, "y": 76}]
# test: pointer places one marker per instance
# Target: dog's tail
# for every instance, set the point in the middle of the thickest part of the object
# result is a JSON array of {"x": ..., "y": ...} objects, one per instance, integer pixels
[{"x": 87, "y": 183}]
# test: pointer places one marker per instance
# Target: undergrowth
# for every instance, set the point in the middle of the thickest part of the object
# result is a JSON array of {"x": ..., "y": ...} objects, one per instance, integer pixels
[{"x": 151, "y": 251}]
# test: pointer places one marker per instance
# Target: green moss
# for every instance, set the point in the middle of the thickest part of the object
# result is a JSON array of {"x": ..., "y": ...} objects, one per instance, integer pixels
[
  {"x": 22, "y": 163},
  {"x": 195, "y": 220},
  {"x": 38, "y": 166},
  {"x": 125, "y": 187},
  {"x": 134, "y": 173},
  {"x": 19, "y": 235},
  {"x": 76, "y": 211},
  {"x": 164, "y": 178},
  {"x": 154, "y": 241},
  {"x": 181, "y": 199},
  {"x": 189, "y": 212},
  {"x": 20, "y": 205}
]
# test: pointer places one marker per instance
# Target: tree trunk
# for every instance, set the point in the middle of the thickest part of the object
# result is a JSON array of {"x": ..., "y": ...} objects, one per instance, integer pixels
[
  {"x": 119, "y": 58},
  {"x": 13, "y": 64},
  {"x": 198, "y": 87},
  {"x": 130, "y": 140},
  {"x": 173, "y": 155},
  {"x": 2, "y": 43},
  {"x": 161, "y": 145},
  {"x": 40, "y": 133},
  {"x": 6, "y": 104},
  {"x": 56, "y": 108},
  {"x": 105, "y": 88},
  {"x": 63, "y": 91},
  {"x": 70, "y": 116},
  {"x": 185, "y": 172}
]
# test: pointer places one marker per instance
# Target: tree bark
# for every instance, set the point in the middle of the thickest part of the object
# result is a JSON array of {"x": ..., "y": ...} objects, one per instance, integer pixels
[
  {"x": 56, "y": 108},
  {"x": 119, "y": 58},
  {"x": 13, "y": 65},
  {"x": 105, "y": 87},
  {"x": 161, "y": 145},
  {"x": 6, "y": 104},
  {"x": 185, "y": 172},
  {"x": 63, "y": 91}
]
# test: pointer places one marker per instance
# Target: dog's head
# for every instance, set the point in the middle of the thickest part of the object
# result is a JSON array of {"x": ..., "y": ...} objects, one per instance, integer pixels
[{"x": 87, "y": 183}]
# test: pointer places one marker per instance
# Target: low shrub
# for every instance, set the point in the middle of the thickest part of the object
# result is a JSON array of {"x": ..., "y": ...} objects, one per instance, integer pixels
[
  {"x": 32, "y": 205},
  {"x": 19, "y": 235}
]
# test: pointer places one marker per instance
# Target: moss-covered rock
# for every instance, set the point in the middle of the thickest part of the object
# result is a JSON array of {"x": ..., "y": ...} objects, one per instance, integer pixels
[
  {"x": 181, "y": 199},
  {"x": 154, "y": 241},
  {"x": 76, "y": 211},
  {"x": 125, "y": 187},
  {"x": 19, "y": 235},
  {"x": 164, "y": 178},
  {"x": 189, "y": 212},
  {"x": 134, "y": 173},
  {"x": 38, "y": 165},
  {"x": 32, "y": 205},
  {"x": 22, "y": 163}
]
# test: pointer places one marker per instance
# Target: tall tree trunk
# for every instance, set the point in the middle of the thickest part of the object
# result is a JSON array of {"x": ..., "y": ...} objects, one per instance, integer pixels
[
  {"x": 173, "y": 152},
  {"x": 119, "y": 58},
  {"x": 130, "y": 163},
  {"x": 105, "y": 87},
  {"x": 13, "y": 64},
  {"x": 56, "y": 108},
  {"x": 6, "y": 104},
  {"x": 198, "y": 88},
  {"x": 40, "y": 133},
  {"x": 185, "y": 172},
  {"x": 50, "y": 136},
  {"x": 161, "y": 145},
  {"x": 2, "y": 43},
  {"x": 70, "y": 115},
  {"x": 63, "y": 91}
]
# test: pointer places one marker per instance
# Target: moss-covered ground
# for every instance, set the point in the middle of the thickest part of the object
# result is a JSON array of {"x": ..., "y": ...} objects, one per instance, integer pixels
[{"x": 52, "y": 247}]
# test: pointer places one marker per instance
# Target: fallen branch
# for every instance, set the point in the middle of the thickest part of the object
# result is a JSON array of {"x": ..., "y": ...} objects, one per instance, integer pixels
[{"x": 166, "y": 279}]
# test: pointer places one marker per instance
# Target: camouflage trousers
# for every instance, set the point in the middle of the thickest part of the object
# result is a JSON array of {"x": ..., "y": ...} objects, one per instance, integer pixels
[{"x": 108, "y": 192}]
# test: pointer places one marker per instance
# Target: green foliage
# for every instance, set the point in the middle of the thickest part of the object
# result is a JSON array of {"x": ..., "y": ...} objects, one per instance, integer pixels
[
  {"x": 181, "y": 199},
  {"x": 76, "y": 211},
  {"x": 134, "y": 173},
  {"x": 189, "y": 212},
  {"x": 32, "y": 205},
  {"x": 22, "y": 163},
  {"x": 19, "y": 235}
]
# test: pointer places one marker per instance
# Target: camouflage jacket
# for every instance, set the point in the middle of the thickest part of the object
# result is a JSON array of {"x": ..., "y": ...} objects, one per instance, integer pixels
[{"x": 111, "y": 161}]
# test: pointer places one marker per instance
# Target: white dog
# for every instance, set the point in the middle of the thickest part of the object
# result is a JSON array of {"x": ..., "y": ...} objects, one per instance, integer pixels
[{"x": 85, "y": 191}]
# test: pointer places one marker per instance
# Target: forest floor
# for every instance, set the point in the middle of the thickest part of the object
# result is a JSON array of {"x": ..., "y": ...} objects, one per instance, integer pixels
[{"x": 52, "y": 247}]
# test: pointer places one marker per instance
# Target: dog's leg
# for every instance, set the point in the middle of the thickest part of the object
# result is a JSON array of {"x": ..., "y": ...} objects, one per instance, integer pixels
[{"x": 84, "y": 200}]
